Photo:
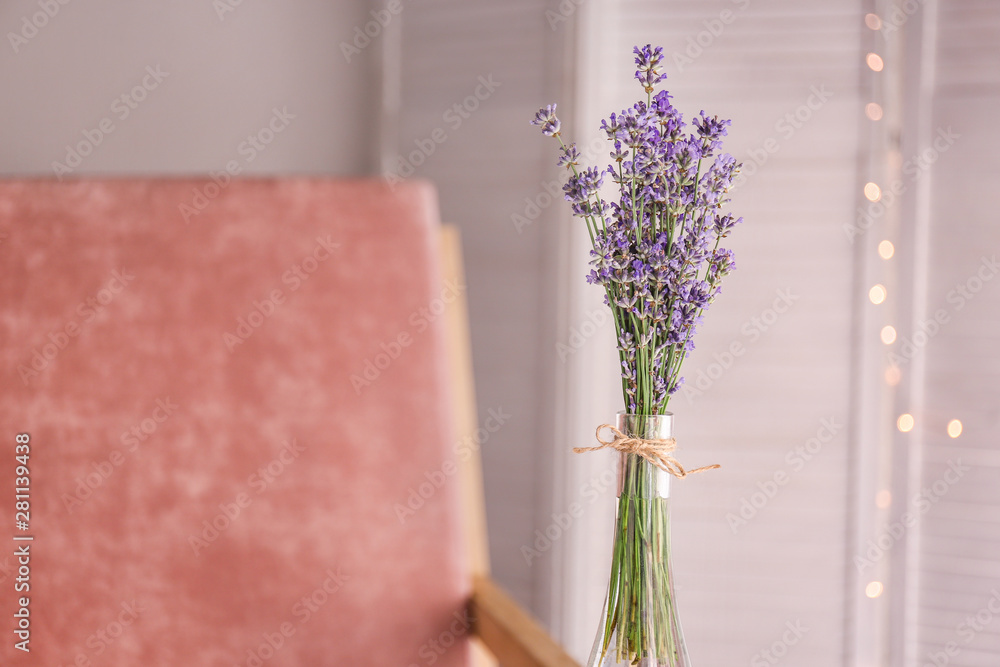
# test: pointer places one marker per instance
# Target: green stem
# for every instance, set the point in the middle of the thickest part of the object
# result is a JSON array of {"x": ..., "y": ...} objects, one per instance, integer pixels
[{"x": 641, "y": 615}]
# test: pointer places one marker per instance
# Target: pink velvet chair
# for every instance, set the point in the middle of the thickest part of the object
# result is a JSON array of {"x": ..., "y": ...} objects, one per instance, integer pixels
[{"x": 241, "y": 428}]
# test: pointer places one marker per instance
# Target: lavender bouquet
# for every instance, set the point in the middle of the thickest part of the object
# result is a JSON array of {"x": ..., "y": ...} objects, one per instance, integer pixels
[{"x": 657, "y": 254}]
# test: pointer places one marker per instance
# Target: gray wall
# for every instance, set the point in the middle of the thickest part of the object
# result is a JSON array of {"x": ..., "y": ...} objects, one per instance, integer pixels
[
  {"x": 491, "y": 160},
  {"x": 224, "y": 76}
]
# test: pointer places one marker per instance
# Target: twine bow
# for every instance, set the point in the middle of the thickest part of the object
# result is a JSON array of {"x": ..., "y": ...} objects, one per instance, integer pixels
[{"x": 657, "y": 451}]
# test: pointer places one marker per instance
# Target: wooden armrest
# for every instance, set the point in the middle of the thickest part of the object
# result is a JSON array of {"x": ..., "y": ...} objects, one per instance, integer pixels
[{"x": 514, "y": 637}]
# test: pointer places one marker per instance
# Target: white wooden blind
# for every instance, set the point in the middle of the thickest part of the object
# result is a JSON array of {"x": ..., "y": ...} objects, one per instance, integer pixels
[
  {"x": 791, "y": 74},
  {"x": 746, "y": 581},
  {"x": 957, "y": 569}
]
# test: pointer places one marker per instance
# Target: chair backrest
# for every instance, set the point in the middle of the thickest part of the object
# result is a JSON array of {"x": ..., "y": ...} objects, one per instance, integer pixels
[{"x": 239, "y": 418}]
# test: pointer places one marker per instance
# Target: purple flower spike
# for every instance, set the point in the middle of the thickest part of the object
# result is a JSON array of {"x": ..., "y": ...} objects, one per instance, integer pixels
[
  {"x": 711, "y": 130},
  {"x": 569, "y": 156},
  {"x": 656, "y": 244},
  {"x": 546, "y": 119},
  {"x": 647, "y": 60}
]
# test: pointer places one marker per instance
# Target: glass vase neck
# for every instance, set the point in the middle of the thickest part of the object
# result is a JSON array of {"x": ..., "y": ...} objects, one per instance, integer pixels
[
  {"x": 639, "y": 625},
  {"x": 652, "y": 481}
]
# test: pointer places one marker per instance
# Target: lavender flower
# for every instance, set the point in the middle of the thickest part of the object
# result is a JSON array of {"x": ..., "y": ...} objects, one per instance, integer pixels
[
  {"x": 656, "y": 245},
  {"x": 546, "y": 118},
  {"x": 711, "y": 130},
  {"x": 647, "y": 60},
  {"x": 569, "y": 156}
]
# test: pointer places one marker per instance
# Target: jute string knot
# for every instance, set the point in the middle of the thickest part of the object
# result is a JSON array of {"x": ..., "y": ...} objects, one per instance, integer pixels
[{"x": 657, "y": 451}]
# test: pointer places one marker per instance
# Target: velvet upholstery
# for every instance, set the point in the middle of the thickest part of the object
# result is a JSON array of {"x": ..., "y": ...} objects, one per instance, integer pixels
[{"x": 239, "y": 421}]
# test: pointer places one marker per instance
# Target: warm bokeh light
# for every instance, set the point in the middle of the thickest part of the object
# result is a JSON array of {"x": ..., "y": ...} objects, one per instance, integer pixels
[
  {"x": 888, "y": 334},
  {"x": 874, "y": 61},
  {"x": 877, "y": 294},
  {"x": 873, "y": 21},
  {"x": 874, "y": 589},
  {"x": 886, "y": 250},
  {"x": 872, "y": 191},
  {"x": 873, "y": 111},
  {"x": 883, "y": 499},
  {"x": 893, "y": 375},
  {"x": 905, "y": 422},
  {"x": 954, "y": 428}
]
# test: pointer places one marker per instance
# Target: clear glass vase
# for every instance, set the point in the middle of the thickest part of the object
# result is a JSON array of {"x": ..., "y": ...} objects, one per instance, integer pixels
[{"x": 639, "y": 623}]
